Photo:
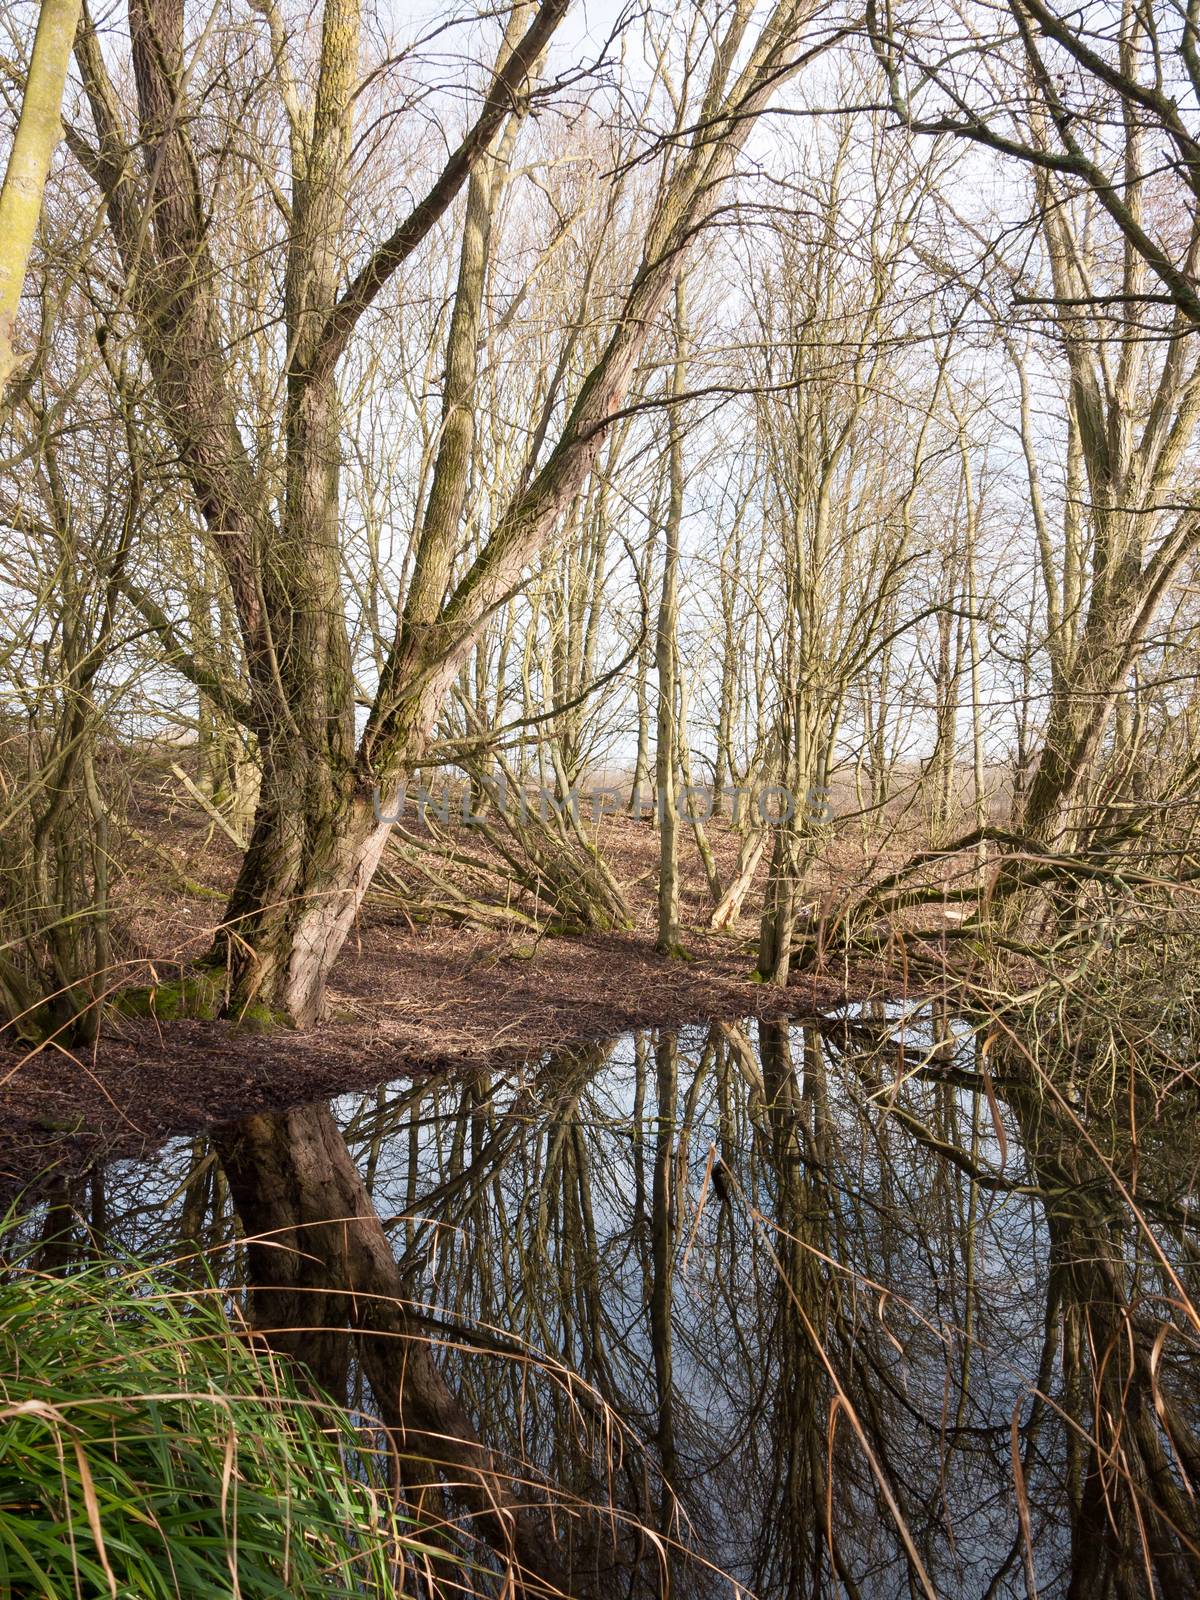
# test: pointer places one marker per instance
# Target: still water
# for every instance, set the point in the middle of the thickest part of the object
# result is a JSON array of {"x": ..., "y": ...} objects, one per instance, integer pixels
[{"x": 862, "y": 1308}]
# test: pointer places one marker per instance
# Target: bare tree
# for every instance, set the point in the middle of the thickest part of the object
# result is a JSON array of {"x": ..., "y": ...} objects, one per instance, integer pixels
[{"x": 317, "y": 838}]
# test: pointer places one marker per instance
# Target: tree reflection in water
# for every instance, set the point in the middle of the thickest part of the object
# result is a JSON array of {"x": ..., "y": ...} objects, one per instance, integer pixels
[{"x": 851, "y": 1310}]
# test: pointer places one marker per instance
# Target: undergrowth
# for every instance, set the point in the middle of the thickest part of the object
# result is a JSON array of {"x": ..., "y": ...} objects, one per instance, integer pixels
[{"x": 148, "y": 1449}]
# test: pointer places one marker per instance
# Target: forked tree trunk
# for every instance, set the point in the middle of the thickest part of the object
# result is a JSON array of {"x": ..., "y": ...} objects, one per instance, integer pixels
[{"x": 315, "y": 841}]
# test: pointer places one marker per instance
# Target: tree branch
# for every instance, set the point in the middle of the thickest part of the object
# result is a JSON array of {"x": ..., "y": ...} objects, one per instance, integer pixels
[{"x": 505, "y": 91}]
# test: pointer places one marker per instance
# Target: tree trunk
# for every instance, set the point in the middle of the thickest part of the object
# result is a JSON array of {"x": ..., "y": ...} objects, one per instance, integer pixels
[
  {"x": 312, "y": 854},
  {"x": 667, "y": 762},
  {"x": 39, "y": 129},
  {"x": 779, "y": 913},
  {"x": 641, "y": 765},
  {"x": 728, "y": 908}
]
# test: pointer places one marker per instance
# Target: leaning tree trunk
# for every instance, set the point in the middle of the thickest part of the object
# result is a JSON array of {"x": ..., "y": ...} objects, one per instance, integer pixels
[
  {"x": 39, "y": 128},
  {"x": 1053, "y": 809}
]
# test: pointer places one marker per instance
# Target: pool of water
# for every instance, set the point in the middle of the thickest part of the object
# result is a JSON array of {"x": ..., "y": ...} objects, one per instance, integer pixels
[{"x": 853, "y": 1308}]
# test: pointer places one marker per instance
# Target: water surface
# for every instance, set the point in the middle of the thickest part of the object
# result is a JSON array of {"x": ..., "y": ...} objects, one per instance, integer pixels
[{"x": 848, "y": 1309}]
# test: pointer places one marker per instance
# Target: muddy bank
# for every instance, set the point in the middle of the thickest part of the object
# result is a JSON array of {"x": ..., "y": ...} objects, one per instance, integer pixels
[
  {"x": 402, "y": 1003},
  {"x": 405, "y": 998}
]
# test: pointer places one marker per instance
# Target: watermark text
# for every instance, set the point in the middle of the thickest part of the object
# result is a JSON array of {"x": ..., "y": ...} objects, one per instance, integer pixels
[{"x": 771, "y": 805}]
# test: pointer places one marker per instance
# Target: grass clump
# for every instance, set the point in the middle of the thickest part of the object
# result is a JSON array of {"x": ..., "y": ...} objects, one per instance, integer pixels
[{"x": 147, "y": 1450}]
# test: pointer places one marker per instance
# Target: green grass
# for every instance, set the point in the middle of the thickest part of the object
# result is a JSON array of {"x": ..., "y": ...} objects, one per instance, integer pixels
[{"x": 146, "y": 1450}]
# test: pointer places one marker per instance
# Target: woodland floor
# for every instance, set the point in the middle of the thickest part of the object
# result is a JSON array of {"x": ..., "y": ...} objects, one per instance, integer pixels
[{"x": 406, "y": 998}]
